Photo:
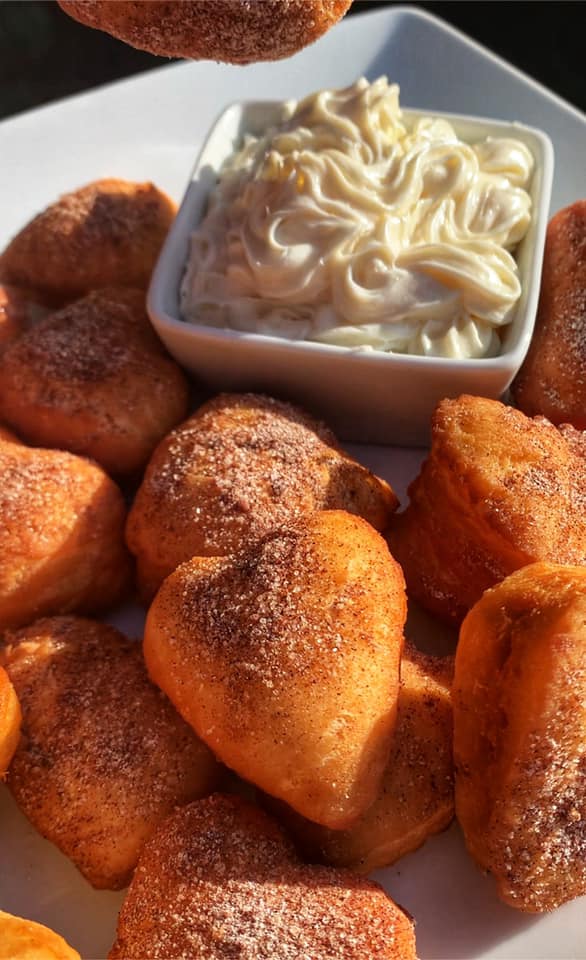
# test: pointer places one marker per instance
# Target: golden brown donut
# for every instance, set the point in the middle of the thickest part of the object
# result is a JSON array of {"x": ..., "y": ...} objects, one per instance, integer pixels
[
  {"x": 520, "y": 735},
  {"x": 285, "y": 660},
  {"x": 61, "y": 536},
  {"x": 18, "y": 311},
  {"x": 498, "y": 491},
  {"x": 218, "y": 879},
  {"x": 10, "y": 718},
  {"x": 107, "y": 233},
  {"x": 417, "y": 798},
  {"x": 242, "y": 465},
  {"x": 552, "y": 380},
  {"x": 25, "y": 940},
  {"x": 94, "y": 379},
  {"x": 104, "y": 757},
  {"x": 231, "y": 31}
]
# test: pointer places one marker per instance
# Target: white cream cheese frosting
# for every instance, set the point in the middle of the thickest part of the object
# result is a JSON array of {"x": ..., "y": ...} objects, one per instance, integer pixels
[{"x": 347, "y": 226}]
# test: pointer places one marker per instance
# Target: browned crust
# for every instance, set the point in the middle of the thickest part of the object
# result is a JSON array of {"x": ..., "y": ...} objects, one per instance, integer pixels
[
  {"x": 61, "y": 543},
  {"x": 520, "y": 732},
  {"x": 498, "y": 491},
  {"x": 285, "y": 660},
  {"x": 94, "y": 379},
  {"x": 219, "y": 880},
  {"x": 242, "y": 465},
  {"x": 231, "y": 31},
  {"x": 103, "y": 757},
  {"x": 107, "y": 233}
]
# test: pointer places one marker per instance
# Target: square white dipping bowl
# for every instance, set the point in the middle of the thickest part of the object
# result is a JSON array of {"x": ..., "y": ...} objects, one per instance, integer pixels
[{"x": 367, "y": 397}]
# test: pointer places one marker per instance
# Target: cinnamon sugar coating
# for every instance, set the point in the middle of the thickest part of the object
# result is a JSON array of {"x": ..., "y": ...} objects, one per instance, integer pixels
[
  {"x": 285, "y": 660},
  {"x": 94, "y": 379},
  {"x": 552, "y": 380},
  {"x": 107, "y": 233},
  {"x": 417, "y": 797},
  {"x": 220, "y": 880},
  {"x": 232, "y": 31},
  {"x": 104, "y": 757},
  {"x": 576, "y": 439},
  {"x": 242, "y": 465},
  {"x": 61, "y": 536},
  {"x": 498, "y": 491},
  {"x": 520, "y": 735}
]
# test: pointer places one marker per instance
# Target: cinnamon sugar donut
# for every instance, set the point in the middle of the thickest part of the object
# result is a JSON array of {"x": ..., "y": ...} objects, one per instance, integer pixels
[
  {"x": 93, "y": 378},
  {"x": 104, "y": 757},
  {"x": 285, "y": 660},
  {"x": 498, "y": 491},
  {"x": 232, "y": 31},
  {"x": 552, "y": 380},
  {"x": 107, "y": 233},
  {"x": 242, "y": 465},
  {"x": 219, "y": 879},
  {"x": 520, "y": 735},
  {"x": 61, "y": 543}
]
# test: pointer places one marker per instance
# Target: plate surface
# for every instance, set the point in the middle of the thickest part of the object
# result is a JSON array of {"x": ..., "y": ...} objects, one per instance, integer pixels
[{"x": 150, "y": 128}]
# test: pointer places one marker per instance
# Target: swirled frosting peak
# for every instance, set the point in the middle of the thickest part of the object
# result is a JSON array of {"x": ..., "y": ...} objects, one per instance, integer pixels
[{"x": 347, "y": 225}]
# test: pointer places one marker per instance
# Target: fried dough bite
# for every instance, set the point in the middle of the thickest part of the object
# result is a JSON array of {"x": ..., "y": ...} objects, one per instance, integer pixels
[
  {"x": 94, "y": 379},
  {"x": 26, "y": 940},
  {"x": 520, "y": 735},
  {"x": 104, "y": 756},
  {"x": 18, "y": 312},
  {"x": 61, "y": 536},
  {"x": 241, "y": 466},
  {"x": 498, "y": 491},
  {"x": 232, "y": 31},
  {"x": 552, "y": 380},
  {"x": 417, "y": 798},
  {"x": 105, "y": 234},
  {"x": 10, "y": 718},
  {"x": 285, "y": 660},
  {"x": 219, "y": 879}
]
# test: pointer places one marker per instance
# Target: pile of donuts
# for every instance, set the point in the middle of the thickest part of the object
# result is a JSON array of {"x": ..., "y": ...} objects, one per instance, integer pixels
[{"x": 273, "y": 737}]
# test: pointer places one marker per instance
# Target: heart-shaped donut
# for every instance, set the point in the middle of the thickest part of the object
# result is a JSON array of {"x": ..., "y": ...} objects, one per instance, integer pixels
[
  {"x": 285, "y": 660},
  {"x": 218, "y": 879}
]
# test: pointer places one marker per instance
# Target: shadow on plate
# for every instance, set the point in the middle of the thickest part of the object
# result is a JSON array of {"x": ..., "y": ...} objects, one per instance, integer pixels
[{"x": 454, "y": 904}]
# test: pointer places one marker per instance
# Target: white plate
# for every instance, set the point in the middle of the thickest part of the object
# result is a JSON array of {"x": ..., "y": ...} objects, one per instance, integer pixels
[{"x": 150, "y": 128}]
